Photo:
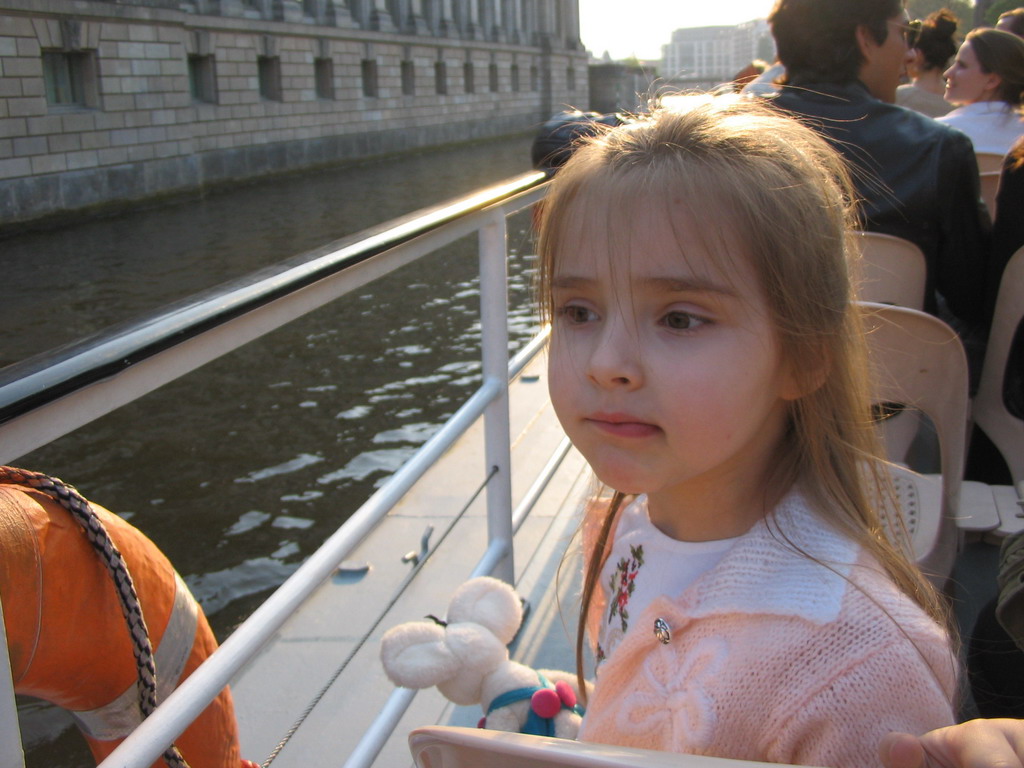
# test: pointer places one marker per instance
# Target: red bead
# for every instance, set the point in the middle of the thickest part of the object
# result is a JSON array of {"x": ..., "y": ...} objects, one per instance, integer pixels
[
  {"x": 546, "y": 703},
  {"x": 482, "y": 723},
  {"x": 566, "y": 694}
]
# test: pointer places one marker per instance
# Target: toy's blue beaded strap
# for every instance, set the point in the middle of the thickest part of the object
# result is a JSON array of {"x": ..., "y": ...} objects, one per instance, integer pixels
[{"x": 535, "y": 724}]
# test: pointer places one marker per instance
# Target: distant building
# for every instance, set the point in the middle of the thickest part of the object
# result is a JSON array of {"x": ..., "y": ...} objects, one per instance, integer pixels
[
  {"x": 105, "y": 101},
  {"x": 620, "y": 87},
  {"x": 714, "y": 54}
]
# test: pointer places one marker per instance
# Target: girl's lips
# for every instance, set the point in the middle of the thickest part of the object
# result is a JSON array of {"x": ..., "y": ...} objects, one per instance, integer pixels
[{"x": 622, "y": 426}]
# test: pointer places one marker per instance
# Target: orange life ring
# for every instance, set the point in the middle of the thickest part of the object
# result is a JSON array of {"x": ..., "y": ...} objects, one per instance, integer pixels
[{"x": 67, "y": 637}]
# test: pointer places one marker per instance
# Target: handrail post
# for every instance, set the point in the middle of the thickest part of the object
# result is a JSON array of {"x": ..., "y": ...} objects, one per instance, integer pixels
[
  {"x": 494, "y": 350},
  {"x": 11, "y": 753}
]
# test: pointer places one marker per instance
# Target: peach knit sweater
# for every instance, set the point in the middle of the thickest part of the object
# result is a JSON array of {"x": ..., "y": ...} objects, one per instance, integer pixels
[{"x": 774, "y": 657}]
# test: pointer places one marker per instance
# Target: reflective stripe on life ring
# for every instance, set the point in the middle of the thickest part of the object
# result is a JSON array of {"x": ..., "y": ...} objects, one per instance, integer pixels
[{"x": 122, "y": 716}]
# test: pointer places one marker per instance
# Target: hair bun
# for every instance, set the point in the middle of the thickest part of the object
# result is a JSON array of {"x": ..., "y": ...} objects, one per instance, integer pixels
[{"x": 945, "y": 22}]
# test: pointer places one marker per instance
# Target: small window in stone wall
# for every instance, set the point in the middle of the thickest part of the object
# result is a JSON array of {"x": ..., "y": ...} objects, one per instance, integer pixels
[
  {"x": 440, "y": 77},
  {"x": 492, "y": 76},
  {"x": 515, "y": 78},
  {"x": 408, "y": 78},
  {"x": 323, "y": 74},
  {"x": 369, "y": 72},
  {"x": 467, "y": 77},
  {"x": 70, "y": 78},
  {"x": 202, "y": 79},
  {"x": 570, "y": 78},
  {"x": 269, "y": 68},
  {"x": 534, "y": 78}
]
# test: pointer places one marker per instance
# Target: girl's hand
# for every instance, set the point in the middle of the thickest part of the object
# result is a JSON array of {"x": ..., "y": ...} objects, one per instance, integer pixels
[{"x": 974, "y": 744}]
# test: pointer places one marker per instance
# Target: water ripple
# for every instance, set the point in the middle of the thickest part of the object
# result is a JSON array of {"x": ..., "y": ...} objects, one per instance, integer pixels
[
  {"x": 368, "y": 463},
  {"x": 299, "y": 462}
]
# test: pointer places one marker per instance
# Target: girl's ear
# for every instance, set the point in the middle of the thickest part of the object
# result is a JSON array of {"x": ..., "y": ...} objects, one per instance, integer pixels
[{"x": 806, "y": 376}]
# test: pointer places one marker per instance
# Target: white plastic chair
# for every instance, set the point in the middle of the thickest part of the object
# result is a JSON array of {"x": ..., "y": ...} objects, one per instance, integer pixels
[
  {"x": 919, "y": 362},
  {"x": 1003, "y": 428},
  {"x": 989, "y": 161},
  {"x": 893, "y": 270},
  {"x": 441, "y": 746}
]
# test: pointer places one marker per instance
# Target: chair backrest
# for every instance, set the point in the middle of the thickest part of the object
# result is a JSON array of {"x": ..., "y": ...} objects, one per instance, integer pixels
[
  {"x": 989, "y": 190},
  {"x": 440, "y": 746},
  {"x": 918, "y": 361},
  {"x": 990, "y": 412},
  {"x": 989, "y": 161},
  {"x": 893, "y": 270}
]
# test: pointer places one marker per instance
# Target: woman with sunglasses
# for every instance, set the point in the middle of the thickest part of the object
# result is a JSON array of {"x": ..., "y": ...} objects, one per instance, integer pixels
[
  {"x": 987, "y": 81},
  {"x": 933, "y": 49}
]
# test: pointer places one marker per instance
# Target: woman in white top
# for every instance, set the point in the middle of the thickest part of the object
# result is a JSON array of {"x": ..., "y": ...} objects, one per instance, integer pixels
[
  {"x": 933, "y": 49},
  {"x": 987, "y": 80}
]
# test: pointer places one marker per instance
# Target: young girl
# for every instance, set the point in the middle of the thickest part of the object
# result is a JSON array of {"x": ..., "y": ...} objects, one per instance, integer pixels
[{"x": 740, "y": 595}]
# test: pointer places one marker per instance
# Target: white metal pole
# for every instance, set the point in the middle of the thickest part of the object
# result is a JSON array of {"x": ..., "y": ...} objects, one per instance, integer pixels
[
  {"x": 494, "y": 343},
  {"x": 11, "y": 754}
]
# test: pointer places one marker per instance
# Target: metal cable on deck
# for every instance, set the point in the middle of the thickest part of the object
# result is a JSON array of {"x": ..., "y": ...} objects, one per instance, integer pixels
[
  {"x": 366, "y": 635},
  {"x": 107, "y": 550}
]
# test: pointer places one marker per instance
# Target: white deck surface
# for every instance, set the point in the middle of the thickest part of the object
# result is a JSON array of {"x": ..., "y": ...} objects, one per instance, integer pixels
[{"x": 277, "y": 686}]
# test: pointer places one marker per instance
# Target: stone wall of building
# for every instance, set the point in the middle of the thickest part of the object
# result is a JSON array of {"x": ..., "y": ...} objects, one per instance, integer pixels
[{"x": 105, "y": 103}]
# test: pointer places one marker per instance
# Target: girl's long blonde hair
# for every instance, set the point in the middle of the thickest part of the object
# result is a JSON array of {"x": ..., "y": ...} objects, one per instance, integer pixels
[{"x": 786, "y": 195}]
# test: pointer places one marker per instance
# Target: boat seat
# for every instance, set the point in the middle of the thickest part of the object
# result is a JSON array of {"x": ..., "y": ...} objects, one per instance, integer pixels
[
  {"x": 919, "y": 363},
  {"x": 1011, "y": 514},
  {"x": 893, "y": 270},
  {"x": 990, "y": 412},
  {"x": 442, "y": 746},
  {"x": 989, "y": 161},
  {"x": 978, "y": 512}
]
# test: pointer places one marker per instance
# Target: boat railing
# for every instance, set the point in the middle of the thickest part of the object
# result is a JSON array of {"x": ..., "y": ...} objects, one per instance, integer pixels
[{"x": 48, "y": 396}]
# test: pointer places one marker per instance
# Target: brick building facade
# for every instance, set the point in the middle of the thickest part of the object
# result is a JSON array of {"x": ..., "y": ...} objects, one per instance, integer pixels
[{"x": 104, "y": 102}]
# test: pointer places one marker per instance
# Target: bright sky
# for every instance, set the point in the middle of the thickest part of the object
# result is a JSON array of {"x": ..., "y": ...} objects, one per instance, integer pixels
[{"x": 640, "y": 27}]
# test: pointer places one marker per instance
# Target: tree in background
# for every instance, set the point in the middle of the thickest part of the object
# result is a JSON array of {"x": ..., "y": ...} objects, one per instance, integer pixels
[{"x": 998, "y": 7}]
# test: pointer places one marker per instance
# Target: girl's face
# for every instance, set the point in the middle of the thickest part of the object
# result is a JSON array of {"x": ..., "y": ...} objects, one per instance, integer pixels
[
  {"x": 665, "y": 370},
  {"x": 966, "y": 81}
]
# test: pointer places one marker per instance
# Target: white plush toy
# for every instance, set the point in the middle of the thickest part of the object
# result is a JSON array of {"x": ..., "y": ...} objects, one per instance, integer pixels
[{"x": 467, "y": 659}]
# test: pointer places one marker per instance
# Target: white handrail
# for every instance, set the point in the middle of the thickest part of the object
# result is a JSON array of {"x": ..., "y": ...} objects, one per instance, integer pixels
[
  {"x": 11, "y": 754},
  {"x": 173, "y": 716}
]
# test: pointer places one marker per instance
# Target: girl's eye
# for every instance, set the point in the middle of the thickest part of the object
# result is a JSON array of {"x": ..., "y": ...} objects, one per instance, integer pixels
[
  {"x": 682, "y": 321},
  {"x": 576, "y": 314}
]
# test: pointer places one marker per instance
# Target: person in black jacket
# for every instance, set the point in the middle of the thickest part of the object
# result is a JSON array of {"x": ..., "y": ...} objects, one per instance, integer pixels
[{"x": 918, "y": 178}]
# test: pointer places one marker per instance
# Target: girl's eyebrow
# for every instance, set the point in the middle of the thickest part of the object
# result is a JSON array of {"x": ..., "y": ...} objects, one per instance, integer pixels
[
  {"x": 686, "y": 285},
  {"x": 571, "y": 281},
  {"x": 664, "y": 284}
]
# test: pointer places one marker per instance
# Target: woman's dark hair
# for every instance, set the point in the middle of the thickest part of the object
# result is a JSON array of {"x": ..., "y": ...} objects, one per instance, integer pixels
[
  {"x": 1014, "y": 21},
  {"x": 816, "y": 40},
  {"x": 935, "y": 40},
  {"x": 1001, "y": 53}
]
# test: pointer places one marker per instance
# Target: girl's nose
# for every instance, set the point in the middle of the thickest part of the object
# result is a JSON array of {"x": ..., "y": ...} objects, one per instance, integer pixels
[{"x": 616, "y": 360}]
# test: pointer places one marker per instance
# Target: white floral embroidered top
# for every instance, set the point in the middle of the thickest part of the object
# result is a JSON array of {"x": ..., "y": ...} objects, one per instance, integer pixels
[
  {"x": 772, "y": 656},
  {"x": 645, "y": 564}
]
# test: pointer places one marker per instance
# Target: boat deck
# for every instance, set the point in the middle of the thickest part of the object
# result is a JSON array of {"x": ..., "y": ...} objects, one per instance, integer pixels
[{"x": 278, "y": 685}]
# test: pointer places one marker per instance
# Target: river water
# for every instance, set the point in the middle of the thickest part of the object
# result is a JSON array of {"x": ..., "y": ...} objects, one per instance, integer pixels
[{"x": 238, "y": 470}]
